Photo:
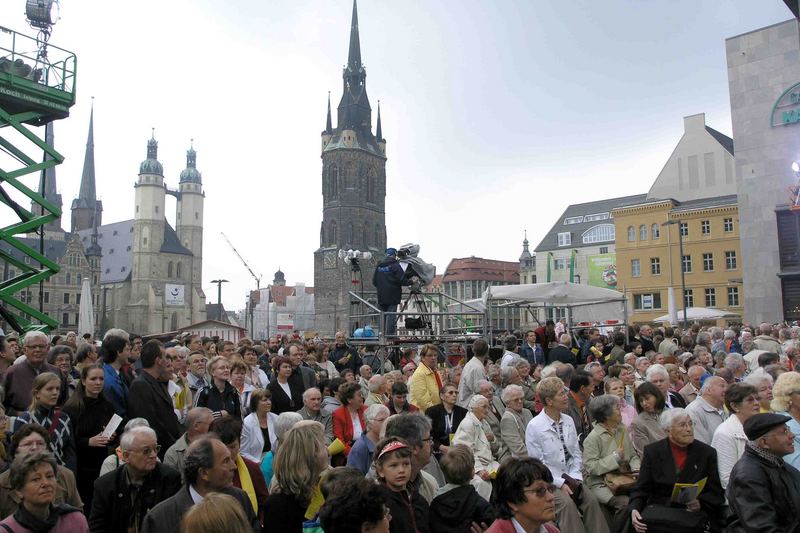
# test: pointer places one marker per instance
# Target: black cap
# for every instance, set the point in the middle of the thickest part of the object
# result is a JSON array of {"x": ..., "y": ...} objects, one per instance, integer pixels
[{"x": 759, "y": 425}]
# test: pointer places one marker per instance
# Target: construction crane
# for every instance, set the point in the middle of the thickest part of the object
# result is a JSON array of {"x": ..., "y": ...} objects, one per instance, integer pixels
[{"x": 257, "y": 278}]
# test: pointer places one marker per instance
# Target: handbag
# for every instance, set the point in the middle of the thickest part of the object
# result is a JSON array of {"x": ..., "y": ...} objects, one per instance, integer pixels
[
  {"x": 666, "y": 519},
  {"x": 619, "y": 483}
]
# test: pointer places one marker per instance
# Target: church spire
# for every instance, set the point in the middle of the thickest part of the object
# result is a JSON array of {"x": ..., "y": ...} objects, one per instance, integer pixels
[
  {"x": 354, "y": 55},
  {"x": 378, "y": 129},
  {"x": 526, "y": 254},
  {"x": 329, "y": 122},
  {"x": 88, "y": 192}
]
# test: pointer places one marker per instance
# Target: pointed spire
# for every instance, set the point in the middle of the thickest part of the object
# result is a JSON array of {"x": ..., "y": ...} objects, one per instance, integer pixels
[
  {"x": 152, "y": 146},
  {"x": 329, "y": 122},
  {"x": 88, "y": 192},
  {"x": 354, "y": 55},
  {"x": 378, "y": 129},
  {"x": 526, "y": 254}
]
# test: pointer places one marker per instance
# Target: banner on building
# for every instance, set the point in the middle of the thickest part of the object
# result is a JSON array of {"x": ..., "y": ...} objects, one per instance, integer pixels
[
  {"x": 602, "y": 270},
  {"x": 285, "y": 321},
  {"x": 173, "y": 294}
]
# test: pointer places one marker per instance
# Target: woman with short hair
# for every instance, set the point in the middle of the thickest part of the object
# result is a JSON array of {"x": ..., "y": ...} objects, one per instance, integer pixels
[
  {"x": 219, "y": 396},
  {"x": 348, "y": 420},
  {"x": 258, "y": 428},
  {"x": 645, "y": 429},
  {"x": 243, "y": 388},
  {"x": 515, "y": 420},
  {"x": 525, "y": 497},
  {"x": 254, "y": 376},
  {"x": 445, "y": 417},
  {"x": 786, "y": 400},
  {"x": 763, "y": 384},
  {"x": 285, "y": 395},
  {"x": 34, "y": 478},
  {"x": 473, "y": 433},
  {"x": 729, "y": 439}
]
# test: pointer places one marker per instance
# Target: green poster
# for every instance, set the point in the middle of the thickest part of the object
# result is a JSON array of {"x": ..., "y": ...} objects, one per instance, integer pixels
[{"x": 603, "y": 270}]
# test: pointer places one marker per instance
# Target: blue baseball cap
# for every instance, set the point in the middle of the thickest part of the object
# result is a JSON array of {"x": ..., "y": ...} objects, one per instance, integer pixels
[{"x": 391, "y": 251}]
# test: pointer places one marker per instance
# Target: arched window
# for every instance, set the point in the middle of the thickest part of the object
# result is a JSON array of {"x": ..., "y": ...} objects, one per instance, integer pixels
[
  {"x": 332, "y": 233},
  {"x": 371, "y": 184},
  {"x": 599, "y": 233},
  {"x": 350, "y": 235},
  {"x": 655, "y": 231},
  {"x": 178, "y": 268},
  {"x": 642, "y": 232},
  {"x": 631, "y": 234},
  {"x": 333, "y": 182},
  {"x": 174, "y": 321},
  {"x": 169, "y": 270}
]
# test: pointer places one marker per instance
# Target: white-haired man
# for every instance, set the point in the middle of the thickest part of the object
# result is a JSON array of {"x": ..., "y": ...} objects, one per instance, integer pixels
[
  {"x": 708, "y": 409},
  {"x": 658, "y": 376},
  {"x": 18, "y": 379},
  {"x": 312, "y": 410}
]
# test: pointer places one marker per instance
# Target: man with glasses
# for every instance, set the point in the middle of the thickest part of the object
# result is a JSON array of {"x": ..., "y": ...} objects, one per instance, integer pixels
[
  {"x": 415, "y": 429},
  {"x": 123, "y": 497},
  {"x": 18, "y": 379}
]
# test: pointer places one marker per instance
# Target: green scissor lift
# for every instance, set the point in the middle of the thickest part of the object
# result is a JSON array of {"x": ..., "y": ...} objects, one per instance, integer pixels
[{"x": 37, "y": 86}]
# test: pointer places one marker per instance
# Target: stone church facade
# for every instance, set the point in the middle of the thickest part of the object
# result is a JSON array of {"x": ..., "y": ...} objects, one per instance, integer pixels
[{"x": 353, "y": 196}]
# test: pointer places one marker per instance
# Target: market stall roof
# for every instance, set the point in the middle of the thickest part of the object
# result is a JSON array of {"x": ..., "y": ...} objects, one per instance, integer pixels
[
  {"x": 556, "y": 293},
  {"x": 699, "y": 313}
]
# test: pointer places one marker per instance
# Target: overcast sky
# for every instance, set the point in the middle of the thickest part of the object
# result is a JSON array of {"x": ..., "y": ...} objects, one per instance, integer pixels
[{"x": 497, "y": 114}]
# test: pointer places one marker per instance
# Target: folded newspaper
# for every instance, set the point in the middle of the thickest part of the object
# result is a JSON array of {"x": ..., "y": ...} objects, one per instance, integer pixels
[{"x": 686, "y": 492}]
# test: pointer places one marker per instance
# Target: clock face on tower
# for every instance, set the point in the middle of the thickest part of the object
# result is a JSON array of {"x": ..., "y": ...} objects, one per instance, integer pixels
[{"x": 329, "y": 259}]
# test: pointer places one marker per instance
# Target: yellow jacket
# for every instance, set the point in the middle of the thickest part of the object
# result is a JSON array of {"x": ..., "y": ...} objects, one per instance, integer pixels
[{"x": 423, "y": 388}]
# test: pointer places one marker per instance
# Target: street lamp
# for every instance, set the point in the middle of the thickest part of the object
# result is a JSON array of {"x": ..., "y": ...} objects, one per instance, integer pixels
[
  {"x": 683, "y": 270},
  {"x": 219, "y": 283}
]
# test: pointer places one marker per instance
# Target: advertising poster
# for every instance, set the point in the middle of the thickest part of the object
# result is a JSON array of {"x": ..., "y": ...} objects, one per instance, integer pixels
[
  {"x": 173, "y": 294},
  {"x": 602, "y": 270}
]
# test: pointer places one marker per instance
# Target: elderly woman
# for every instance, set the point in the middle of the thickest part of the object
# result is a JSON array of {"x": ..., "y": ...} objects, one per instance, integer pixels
[
  {"x": 33, "y": 476},
  {"x": 514, "y": 420},
  {"x": 615, "y": 387},
  {"x": 645, "y": 428},
  {"x": 729, "y": 439},
  {"x": 474, "y": 432},
  {"x": 763, "y": 384},
  {"x": 445, "y": 418},
  {"x": 525, "y": 497},
  {"x": 786, "y": 400},
  {"x": 300, "y": 460},
  {"x": 526, "y": 382},
  {"x": 348, "y": 420},
  {"x": 607, "y": 449},
  {"x": 677, "y": 459},
  {"x": 360, "y": 456}
]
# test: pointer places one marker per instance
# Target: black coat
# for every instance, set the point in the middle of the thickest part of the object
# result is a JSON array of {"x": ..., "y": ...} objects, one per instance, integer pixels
[
  {"x": 455, "y": 510},
  {"x": 111, "y": 505},
  {"x": 438, "y": 425},
  {"x": 227, "y": 400},
  {"x": 677, "y": 400},
  {"x": 408, "y": 510},
  {"x": 388, "y": 280},
  {"x": 283, "y": 513},
  {"x": 148, "y": 399},
  {"x": 338, "y": 352},
  {"x": 563, "y": 354},
  {"x": 282, "y": 403},
  {"x": 658, "y": 476},
  {"x": 167, "y": 515},
  {"x": 764, "y": 496}
]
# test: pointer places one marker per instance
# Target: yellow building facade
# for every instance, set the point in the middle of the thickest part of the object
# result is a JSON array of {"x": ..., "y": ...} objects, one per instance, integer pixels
[{"x": 649, "y": 259}]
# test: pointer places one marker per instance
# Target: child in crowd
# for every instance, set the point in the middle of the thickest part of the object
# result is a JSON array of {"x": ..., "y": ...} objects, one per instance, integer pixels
[
  {"x": 457, "y": 505},
  {"x": 409, "y": 510}
]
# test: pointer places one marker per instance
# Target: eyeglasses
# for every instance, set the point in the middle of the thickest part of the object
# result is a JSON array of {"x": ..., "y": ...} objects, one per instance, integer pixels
[
  {"x": 541, "y": 491},
  {"x": 147, "y": 450},
  {"x": 429, "y": 439},
  {"x": 36, "y": 346}
]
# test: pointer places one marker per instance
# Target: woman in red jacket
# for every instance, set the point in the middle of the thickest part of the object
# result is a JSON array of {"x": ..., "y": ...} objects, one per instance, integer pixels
[{"x": 348, "y": 420}]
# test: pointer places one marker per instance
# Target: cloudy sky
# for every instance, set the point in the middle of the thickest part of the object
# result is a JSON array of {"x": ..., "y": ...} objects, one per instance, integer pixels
[{"x": 497, "y": 114}]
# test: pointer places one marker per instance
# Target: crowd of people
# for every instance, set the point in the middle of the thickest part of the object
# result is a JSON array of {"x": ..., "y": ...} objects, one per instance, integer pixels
[{"x": 645, "y": 430}]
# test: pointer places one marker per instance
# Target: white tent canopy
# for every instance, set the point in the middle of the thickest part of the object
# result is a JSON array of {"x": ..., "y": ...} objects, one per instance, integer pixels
[{"x": 698, "y": 313}]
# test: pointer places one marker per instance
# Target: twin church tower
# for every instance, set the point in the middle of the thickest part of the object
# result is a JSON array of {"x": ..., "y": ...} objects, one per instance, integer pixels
[{"x": 353, "y": 195}]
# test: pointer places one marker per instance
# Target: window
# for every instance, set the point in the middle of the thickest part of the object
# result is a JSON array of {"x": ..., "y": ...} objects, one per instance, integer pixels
[
  {"x": 599, "y": 233},
  {"x": 46, "y": 297},
  {"x": 686, "y": 260},
  {"x": 647, "y": 301},
  {"x": 711, "y": 297},
  {"x": 604, "y": 249},
  {"x": 708, "y": 262},
  {"x": 169, "y": 270},
  {"x": 688, "y": 297},
  {"x": 596, "y": 216},
  {"x": 705, "y": 227},
  {"x": 66, "y": 297},
  {"x": 684, "y": 226},
  {"x": 730, "y": 260},
  {"x": 68, "y": 279},
  {"x": 564, "y": 239},
  {"x": 572, "y": 220},
  {"x": 655, "y": 266},
  {"x": 178, "y": 271},
  {"x": 156, "y": 208},
  {"x": 27, "y": 260},
  {"x": 78, "y": 298},
  {"x": 642, "y": 232},
  {"x": 655, "y": 231},
  {"x": 560, "y": 264},
  {"x": 65, "y": 319},
  {"x": 77, "y": 318},
  {"x": 733, "y": 296},
  {"x": 636, "y": 268},
  {"x": 727, "y": 225},
  {"x": 631, "y": 234}
]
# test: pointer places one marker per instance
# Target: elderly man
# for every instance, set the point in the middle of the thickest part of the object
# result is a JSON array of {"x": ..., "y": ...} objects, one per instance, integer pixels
[
  {"x": 343, "y": 356},
  {"x": 364, "y": 375},
  {"x": 196, "y": 375},
  {"x": 658, "y": 376},
  {"x": 764, "y": 491},
  {"x": 691, "y": 389},
  {"x": 580, "y": 392},
  {"x": 474, "y": 371},
  {"x": 198, "y": 420},
  {"x": 377, "y": 391},
  {"x": 736, "y": 364},
  {"x": 18, "y": 379},
  {"x": 123, "y": 497},
  {"x": 562, "y": 352},
  {"x": 149, "y": 398},
  {"x": 209, "y": 468},
  {"x": 551, "y": 438},
  {"x": 642, "y": 364},
  {"x": 765, "y": 341},
  {"x": 646, "y": 336},
  {"x": 496, "y": 410},
  {"x": 708, "y": 410},
  {"x": 312, "y": 410},
  {"x": 595, "y": 368}
]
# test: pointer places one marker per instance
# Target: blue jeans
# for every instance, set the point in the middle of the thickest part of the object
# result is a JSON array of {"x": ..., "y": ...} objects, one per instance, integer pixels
[{"x": 390, "y": 321}]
